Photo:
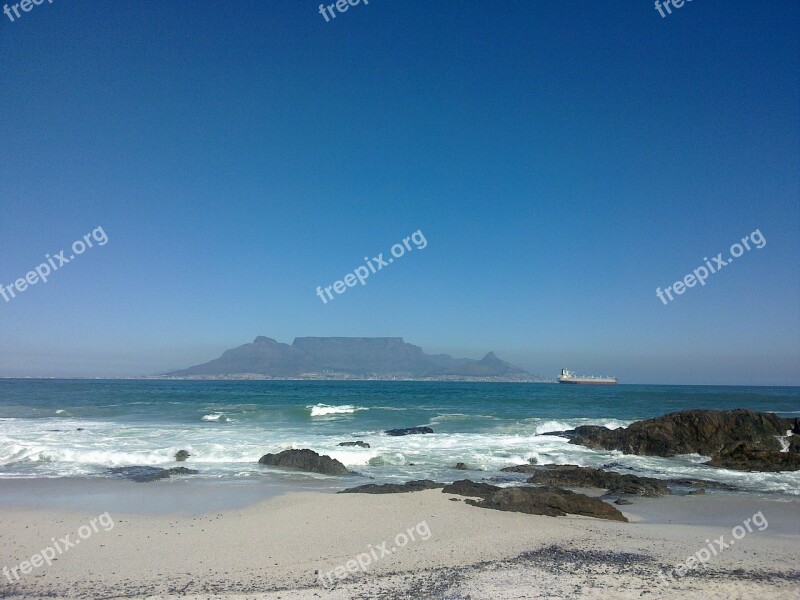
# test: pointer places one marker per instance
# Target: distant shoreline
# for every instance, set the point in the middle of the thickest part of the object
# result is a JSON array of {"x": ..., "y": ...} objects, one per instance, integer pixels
[
  {"x": 378, "y": 380},
  {"x": 410, "y": 380},
  {"x": 314, "y": 377}
]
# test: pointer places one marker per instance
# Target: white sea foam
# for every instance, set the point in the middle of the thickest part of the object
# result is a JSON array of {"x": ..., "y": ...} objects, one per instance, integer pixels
[
  {"x": 438, "y": 419},
  {"x": 321, "y": 410},
  {"x": 53, "y": 447},
  {"x": 218, "y": 417},
  {"x": 555, "y": 425}
]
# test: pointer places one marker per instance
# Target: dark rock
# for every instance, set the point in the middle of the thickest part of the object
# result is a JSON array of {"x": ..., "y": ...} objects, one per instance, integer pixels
[
  {"x": 465, "y": 487},
  {"x": 614, "y": 465},
  {"x": 587, "y": 477},
  {"x": 521, "y": 469},
  {"x": 79, "y": 429},
  {"x": 358, "y": 443},
  {"x": 622, "y": 502},
  {"x": 140, "y": 474},
  {"x": 695, "y": 431},
  {"x": 697, "y": 492},
  {"x": 461, "y": 467},
  {"x": 698, "y": 483},
  {"x": 181, "y": 455},
  {"x": 394, "y": 488},
  {"x": 744, "y": 458},
  {"x": 569, "y": 433},
  {"x": 631, "y": 485},
  {"x": 533, "y": 461},
  {"x": 740, "y": 439},
  {"x": 550, "y": 501},
  {"x": 408, "y": 431},
  {"x": 304, "y": 460},
  {"x": 182, "y": 471}
]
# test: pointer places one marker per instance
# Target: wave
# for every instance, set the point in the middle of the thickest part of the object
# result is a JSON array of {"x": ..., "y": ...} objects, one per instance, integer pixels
[
  {"x": 555, "y": 425},
  {"x": 216, "y": 417},
  {"x": 321, "y": 410},
  {"x": 53, "y": 447}
]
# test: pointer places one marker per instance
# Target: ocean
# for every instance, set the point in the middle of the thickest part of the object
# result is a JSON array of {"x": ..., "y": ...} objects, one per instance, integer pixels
[{"x": 80, "y": 428}]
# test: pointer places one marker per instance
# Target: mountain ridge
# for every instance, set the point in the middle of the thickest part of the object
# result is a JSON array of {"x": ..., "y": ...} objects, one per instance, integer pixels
[{"x": 314, "y": 357}]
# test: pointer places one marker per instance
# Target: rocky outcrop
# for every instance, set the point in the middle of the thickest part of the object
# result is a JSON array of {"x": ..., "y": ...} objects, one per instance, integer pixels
[
  {"x": 146, "y": 474},
  {"x": 182, "y": 471},
  {"x": 521, "y": 469},
  {"x": 549, "y": 501},
  {"x": 358, "y": 443},
  {"x": 304, "y": 460},
  {"x": 394, "y": 488},
  {"x": 717, "y": 434},
  {"x": 703, "y": 483},
  {"x": 465, "y": 487},
  {"x": 139, "y": 474},
  {"x": 744, "y": 458},
  {"x": 408, "y": 431},
  {"x": 587, "y": 477}
]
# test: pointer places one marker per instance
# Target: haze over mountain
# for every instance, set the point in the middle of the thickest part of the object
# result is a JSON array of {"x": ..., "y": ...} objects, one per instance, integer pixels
[{"x": 348, "y": 357}]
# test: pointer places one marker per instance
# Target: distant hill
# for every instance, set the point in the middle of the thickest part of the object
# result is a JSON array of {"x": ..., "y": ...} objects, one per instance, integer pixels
[{"x": 348, "y": 358}]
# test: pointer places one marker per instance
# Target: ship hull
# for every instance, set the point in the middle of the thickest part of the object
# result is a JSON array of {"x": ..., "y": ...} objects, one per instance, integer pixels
[{"x": 578, "y": 382}]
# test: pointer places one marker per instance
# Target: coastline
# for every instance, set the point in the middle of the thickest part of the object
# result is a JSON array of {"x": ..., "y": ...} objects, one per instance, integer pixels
[{"x": 273, "y": 547}]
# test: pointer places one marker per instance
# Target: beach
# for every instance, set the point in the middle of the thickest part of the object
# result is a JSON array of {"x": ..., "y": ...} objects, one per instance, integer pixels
[
  {"x": 284, "y": 546},
  {"x": 231, "y": 489}
]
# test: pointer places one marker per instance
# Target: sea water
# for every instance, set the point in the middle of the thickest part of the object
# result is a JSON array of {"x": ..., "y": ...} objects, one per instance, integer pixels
[{"x": 80, "y": 428}]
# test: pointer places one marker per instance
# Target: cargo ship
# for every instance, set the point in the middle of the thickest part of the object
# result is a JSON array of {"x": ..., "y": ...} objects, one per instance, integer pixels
[{"x": 570, "y": 377}]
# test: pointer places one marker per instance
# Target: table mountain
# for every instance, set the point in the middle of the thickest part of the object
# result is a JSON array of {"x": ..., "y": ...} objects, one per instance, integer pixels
[{"x": 348, "y": 357}]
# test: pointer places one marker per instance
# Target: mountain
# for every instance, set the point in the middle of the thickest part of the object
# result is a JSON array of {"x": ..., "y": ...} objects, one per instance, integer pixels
[{"x": 348, "y": 358}]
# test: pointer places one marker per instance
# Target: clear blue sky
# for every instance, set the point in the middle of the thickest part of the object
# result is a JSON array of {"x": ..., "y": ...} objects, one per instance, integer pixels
[{"x": 563, "y": 159}]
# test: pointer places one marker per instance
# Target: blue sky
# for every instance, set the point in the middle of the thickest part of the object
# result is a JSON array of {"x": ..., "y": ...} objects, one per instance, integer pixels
[{"x": 563, "y": 160}]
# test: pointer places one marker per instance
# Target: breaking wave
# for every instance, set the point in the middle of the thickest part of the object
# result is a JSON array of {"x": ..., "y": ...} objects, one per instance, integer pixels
[
  {"x": 216, "y": 417},
  {"x": 321, "y": 410}
]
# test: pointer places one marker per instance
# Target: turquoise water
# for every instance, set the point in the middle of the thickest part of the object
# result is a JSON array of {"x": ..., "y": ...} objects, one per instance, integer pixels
[{"x": 227, "y": 426}]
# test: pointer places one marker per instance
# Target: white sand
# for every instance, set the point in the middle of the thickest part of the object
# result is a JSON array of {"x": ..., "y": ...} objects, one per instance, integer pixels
[{"x": 272, "y": 550}]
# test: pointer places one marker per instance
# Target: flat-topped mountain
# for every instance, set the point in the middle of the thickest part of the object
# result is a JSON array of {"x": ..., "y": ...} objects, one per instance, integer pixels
[{"x": 349, "y": 357}]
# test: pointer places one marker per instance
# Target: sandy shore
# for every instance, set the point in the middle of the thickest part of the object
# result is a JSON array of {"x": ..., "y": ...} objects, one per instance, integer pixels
[{"x": 278, "y": 547}]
